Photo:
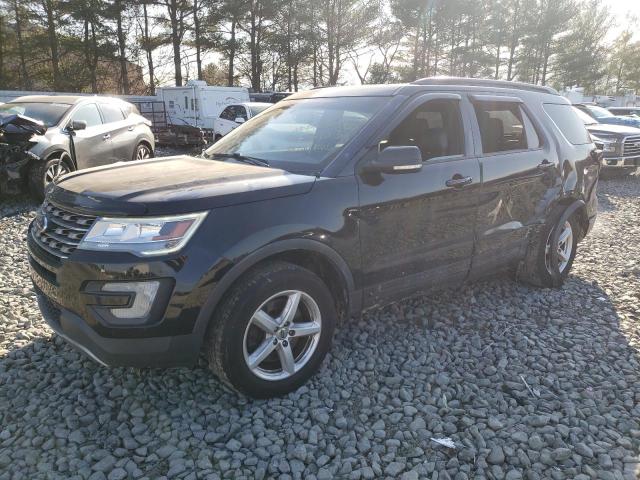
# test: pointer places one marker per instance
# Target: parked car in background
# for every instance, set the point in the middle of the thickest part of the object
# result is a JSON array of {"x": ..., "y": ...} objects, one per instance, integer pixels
[
  {"x": 252, "y": 253},
  {"x": 625, "y": 111},
  {"x": 620, "y": 144},
  {"x": 602, "y": 115},
  {"x": 235, "y": 115},
  {"x": 44, "y": 137}
]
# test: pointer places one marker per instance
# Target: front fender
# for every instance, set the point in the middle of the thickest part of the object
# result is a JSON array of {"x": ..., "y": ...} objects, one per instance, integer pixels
[{"x": 235, "y": 272}]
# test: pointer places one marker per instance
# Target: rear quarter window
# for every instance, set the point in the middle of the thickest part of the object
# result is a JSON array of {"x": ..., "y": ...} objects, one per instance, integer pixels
[{"x": 568, "y": 123}]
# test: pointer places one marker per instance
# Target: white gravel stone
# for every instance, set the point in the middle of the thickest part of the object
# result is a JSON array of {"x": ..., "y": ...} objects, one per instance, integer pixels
[{"x": 446, "y": 365}]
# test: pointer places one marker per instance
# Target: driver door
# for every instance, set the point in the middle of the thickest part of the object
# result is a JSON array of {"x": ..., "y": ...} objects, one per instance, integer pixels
[
  {"x": 92, "y": 146},
  {"x": 417, "y": 229}
]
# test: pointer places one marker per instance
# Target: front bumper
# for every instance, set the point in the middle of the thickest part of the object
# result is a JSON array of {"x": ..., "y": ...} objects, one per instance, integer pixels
[
  {"x": 621, "y": 162},
  {"x": 129, "y": 352},
  {"x": 172, "y": 334}
]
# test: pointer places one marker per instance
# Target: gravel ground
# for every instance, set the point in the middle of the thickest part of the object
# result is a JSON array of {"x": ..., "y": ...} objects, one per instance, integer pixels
[{"x": 528, "y": 383}]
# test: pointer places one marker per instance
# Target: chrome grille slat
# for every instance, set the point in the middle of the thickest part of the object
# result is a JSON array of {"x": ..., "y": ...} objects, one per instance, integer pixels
[
  {"x": 631, "y": 146},
  {"x": 62, "y": 239},
  {"x": 70, "y": 226},
  {"x": 64, "y": 232}
]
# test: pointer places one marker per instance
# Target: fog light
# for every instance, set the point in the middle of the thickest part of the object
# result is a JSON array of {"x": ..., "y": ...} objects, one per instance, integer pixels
[{"x": 145, "y": 294}]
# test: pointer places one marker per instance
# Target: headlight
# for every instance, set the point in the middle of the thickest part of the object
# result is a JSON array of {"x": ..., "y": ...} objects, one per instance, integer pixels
[
  {"x": 142, "y": 236},
  {"x": 609, "y": 144}
]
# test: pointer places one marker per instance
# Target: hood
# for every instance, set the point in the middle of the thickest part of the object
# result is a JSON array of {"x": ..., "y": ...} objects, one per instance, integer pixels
[
  {"x": 621, "y": 120},
  {"x": 621, "y": 130},
  {"x": 17, "y": 129},
  {"x": 172, "y": 185}
]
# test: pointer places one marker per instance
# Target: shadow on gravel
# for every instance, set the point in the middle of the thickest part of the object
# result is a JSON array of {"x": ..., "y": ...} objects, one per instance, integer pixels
[{"x": 534, "y": 383}]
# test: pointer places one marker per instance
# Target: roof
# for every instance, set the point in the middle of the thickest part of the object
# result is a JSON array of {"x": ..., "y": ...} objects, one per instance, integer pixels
[
  {"x": 410, "y": 88},
  {"x": 483, "y": 82},
  {"x": 350, "y": 91},
  {"x": 64, "y": 99}
]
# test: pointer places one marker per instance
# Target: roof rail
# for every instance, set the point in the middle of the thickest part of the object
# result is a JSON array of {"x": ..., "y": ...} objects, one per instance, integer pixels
[{"x": 483, "y": 82}]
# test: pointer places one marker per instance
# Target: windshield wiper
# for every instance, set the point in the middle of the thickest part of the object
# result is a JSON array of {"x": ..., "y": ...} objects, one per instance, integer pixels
[{"x": 242, "y": 158}]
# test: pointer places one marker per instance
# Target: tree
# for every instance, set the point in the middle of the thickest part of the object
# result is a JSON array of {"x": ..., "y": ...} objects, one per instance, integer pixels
[
  {"x": 177, "y": 13},
  {"x": 581, "y": 57}
]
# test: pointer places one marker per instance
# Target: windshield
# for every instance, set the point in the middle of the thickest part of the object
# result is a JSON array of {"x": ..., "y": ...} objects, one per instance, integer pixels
[
  {"x": 586, "y": 119},
  {"x": 48, "y": 113},
  {"x": 256, "y": 109},
  {"x": 599, "y": 112},
  {"x": 300, "y": 135}
]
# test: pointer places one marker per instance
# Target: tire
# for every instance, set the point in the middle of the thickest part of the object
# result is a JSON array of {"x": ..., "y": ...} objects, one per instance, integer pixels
[
  {"x": 43, "y": 172},
  {"x": 234, "y": 337},
  {"x": 142, "y": 152},
  {"x": 542, "y": 267}
]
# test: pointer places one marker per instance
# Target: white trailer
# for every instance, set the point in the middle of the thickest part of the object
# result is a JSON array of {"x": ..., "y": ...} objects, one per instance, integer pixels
[{"x": 198, "y": 104}]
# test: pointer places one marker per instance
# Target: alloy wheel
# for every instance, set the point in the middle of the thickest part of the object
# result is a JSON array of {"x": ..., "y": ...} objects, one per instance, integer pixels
[
  {"x": 282, "y": 335},
  {"x": 143, "y": 152},
  {"x": 564, "y": 248},
  {"x": 55, "y": 170}
]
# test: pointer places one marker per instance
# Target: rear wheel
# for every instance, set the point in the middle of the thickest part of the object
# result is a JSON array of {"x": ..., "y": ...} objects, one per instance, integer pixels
[
  {"x": 44, "y": 172},
  {"x": 273, "y": 330},
  {"x": 143, "y": 151},
  {"x": 552, "y": 252}
]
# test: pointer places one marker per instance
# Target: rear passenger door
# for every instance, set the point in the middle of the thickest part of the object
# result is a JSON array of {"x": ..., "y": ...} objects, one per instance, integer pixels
[
  {"x": 519, "y": 169},
  {"x": 123, "y": 134},
  {"x": 417, "y": 229}
]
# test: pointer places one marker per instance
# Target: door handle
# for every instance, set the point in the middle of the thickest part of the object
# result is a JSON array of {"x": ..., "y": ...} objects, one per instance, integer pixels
[
  {"x": 545, "y": 165},
  {"x": 130, "y": 129},
  {"x": 458, "y": 181},
  {"x": 106, "y": 136}
]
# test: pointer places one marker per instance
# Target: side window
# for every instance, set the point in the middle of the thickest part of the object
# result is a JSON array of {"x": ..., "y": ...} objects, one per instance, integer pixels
[
  {"x": 88, "y": 113},
  {"x": 434, "y": 127},
  {"x": 227, "y": 114},
  {"x": 241, "y": 112},
  {"x": 501, "y": 127},
  {"x": 568, "y": 122},
  {"x": 111, "y": 113}
]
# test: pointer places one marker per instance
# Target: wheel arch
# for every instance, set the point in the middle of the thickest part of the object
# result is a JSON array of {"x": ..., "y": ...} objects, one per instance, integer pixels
[
  {"x": 572, "y": 206},
  {"x": 146, "y": 142},
  {"x": 314, "y": 256},
  {"x": 56, "y": 153}
]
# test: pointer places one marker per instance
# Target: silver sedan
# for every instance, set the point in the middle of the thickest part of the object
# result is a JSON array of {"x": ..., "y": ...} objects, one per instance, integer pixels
[{"x": 43, "y": 137}]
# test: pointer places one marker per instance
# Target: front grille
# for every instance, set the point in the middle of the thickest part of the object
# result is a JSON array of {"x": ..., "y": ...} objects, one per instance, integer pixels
[
  {"x": 631, "y": 147},
  {"x": 59, "y": 231}
]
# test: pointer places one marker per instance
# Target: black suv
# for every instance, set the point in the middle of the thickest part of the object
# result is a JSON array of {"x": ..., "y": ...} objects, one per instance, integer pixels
[{"x": 330, "y": 202}]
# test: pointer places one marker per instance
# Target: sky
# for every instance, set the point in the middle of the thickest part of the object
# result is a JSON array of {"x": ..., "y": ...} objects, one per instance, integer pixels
[{"x": 622, "y": 10}]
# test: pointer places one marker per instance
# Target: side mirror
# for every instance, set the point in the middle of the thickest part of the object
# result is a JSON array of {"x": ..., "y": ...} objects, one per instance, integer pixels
[
  {"x": 76, "y": 125},
  {"x": 397, "y": 160},
  {"x": 240, "y": 120}
]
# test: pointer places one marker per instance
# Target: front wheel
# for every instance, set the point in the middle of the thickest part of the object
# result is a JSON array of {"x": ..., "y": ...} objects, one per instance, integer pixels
[
  {"x": 273, "y": 330},
  {"x": 552, "y": 252},
  {"x": 44, "y": 172}
]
